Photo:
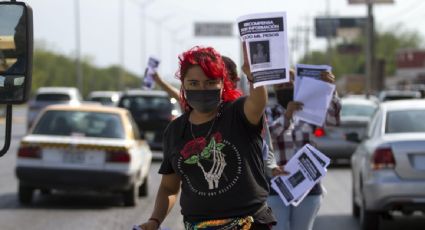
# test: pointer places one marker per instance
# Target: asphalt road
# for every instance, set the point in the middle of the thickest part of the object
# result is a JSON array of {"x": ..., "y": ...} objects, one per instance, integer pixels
[{"x": 93, "y": 211}]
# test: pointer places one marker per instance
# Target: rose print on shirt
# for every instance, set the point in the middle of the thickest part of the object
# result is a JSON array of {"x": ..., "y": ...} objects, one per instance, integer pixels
[
  {"x": 193, "y": 148},
  {"x": 195, "y": 152}
]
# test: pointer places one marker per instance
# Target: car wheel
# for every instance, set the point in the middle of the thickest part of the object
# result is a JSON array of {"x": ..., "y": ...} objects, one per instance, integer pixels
[
  {"x": 144, "y": 188},
  {"x": 25, "y": 194},
  {"x": 130, "y": 196},
  {"x": 369, "y": 220}
]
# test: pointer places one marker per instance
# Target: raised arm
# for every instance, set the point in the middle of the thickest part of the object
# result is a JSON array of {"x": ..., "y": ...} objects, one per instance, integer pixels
[
  {"x": 256, "y": 101},
  {"x": 167, "y": 87}
]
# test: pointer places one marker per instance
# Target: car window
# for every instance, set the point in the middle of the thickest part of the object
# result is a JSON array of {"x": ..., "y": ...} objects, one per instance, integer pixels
[
  {"x": 373, "y": 125},
  {"x": 89, "y": 124},
  {"x": 140, "y": 103},
  {"x": 357, "y": 110},
  {"x": 405, "y": 121},
  {"x": 102, "y": 100},
  {"x": 398, "y": 97},
  {"x": 52, "y": 97},
  {"x": 377, "y": 131}
]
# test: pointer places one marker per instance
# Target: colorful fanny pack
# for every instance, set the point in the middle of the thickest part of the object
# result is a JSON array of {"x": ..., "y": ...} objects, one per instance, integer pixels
[{"x": 239, "y": 223}]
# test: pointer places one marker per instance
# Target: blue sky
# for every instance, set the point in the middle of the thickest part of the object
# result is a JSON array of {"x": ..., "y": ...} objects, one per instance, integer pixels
[{"x": 169, "y": 25}]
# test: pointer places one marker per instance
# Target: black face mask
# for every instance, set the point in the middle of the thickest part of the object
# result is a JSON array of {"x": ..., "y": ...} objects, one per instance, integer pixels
[
  {"x": 203, "y": 101},
  {"x": 284, "y": 96}
]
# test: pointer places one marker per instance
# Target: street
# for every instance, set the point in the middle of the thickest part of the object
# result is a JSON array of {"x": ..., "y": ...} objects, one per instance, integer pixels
[{"x": 93, "y": 211}]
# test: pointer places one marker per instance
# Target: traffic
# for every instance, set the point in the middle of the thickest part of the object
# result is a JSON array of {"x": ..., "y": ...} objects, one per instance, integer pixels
[{"x": 116, "y": 150}]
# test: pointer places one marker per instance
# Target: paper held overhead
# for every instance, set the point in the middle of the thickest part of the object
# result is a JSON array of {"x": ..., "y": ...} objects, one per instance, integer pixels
[
  {"x": 314, "y": 93},
  {"x": 148, "y": 81},
  {"x": 265, "y": 47}
]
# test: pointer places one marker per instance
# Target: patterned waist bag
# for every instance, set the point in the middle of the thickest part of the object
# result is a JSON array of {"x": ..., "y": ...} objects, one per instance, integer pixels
[{"x": 239, "y": 223}]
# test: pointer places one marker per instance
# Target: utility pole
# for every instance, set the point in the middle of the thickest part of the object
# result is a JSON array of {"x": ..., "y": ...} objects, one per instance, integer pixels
[
  {"x": 370, "y": 49},
  {"x": 143, "y": 35},
  {"x": 159, "y": 22},
  {"x": 79, "y": 70},
  {"x": 121, "y": 45},
  {"x": 328, "y": 34},
  {"x": 307, "y": 40},
  {"x": 295, "y": 45},
  {"x": 298, "y": 39}
]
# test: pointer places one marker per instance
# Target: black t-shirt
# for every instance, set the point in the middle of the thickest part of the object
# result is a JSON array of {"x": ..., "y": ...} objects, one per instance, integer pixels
[{"x": 222, "y": 174}]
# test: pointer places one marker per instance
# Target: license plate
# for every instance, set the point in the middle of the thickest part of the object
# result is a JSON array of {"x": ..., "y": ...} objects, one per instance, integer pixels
[{"x": 73, "y": 157}]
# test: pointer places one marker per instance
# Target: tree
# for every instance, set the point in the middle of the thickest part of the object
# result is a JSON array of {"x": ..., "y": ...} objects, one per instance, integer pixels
[
  {"x": 387, "y": 44},
  {"x": 52, "y": 69}
]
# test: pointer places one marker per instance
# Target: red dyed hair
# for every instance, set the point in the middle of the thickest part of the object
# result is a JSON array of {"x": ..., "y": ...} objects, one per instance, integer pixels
[{"x": 213, "y": 66}]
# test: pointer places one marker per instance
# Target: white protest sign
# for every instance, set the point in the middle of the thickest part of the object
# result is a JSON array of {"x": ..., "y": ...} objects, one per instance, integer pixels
[{"x": 266, "y": 43}]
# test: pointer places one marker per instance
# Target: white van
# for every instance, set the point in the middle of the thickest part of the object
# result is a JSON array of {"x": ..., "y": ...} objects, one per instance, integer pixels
[
  {"x": 109, "y": 98},
  {"x": 51, "y": 95}
]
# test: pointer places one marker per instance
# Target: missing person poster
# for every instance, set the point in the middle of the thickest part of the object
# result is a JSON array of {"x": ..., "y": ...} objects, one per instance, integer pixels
[
  {"x": 305, "y": 169},
  {"x": 266, "y": 47},
  {"x": 148, "y": 81}
]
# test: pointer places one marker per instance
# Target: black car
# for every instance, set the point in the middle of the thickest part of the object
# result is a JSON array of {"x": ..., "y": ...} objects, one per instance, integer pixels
[{"x": 152, "y": 110}]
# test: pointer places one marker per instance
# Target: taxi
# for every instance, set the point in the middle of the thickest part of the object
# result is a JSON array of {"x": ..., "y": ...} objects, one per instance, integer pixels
[{"x": 83, "y": 147}]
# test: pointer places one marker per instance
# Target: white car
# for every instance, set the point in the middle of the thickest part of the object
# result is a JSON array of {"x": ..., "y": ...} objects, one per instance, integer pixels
[
  {"x": 356, "y": 113},
  {"x": 95, "y": 148},
  {"x": 388, "y": 166},
  {"x": 109, "y": 98},
  {"x": 51, "y": 95}
]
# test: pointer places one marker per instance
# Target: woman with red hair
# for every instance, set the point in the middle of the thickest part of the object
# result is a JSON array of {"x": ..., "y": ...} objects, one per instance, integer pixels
[{"x": 213, "y": 152}]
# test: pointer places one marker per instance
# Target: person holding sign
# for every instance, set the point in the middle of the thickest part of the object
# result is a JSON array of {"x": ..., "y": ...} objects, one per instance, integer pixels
[
  {"x": 212, "y": 153},
  {"x": 174, "y": 92},
  {"x": 288, "y": 137}
]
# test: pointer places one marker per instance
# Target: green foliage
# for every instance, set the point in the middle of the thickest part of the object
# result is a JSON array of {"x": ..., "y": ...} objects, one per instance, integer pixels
[
  {"x": 51, "y": 69},
  {"x": 386, "y": 46}
]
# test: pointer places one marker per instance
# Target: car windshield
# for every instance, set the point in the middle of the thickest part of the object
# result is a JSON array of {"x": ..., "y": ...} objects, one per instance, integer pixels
[
  {"x": 398, "y": 97},
  {"x": 82, "y": 123},
  {"x": 143, "y": 103},
  {"x": 103, "y": 100},
  {"x": 406, "y": 121},
  {"x": 52, "y": 97},
  {"x": 357, "y": 110}
]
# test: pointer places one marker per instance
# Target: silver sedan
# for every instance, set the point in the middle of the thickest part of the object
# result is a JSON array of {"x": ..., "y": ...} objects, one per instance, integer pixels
[
  {"x": 389, "y": 165},
  {"x": 356, "y": 113}
]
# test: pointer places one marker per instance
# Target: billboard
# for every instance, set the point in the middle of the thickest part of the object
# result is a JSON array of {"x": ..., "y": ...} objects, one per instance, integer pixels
[
  {"x": 329, "y": 26},
  {"x": 213, "y": 29}
]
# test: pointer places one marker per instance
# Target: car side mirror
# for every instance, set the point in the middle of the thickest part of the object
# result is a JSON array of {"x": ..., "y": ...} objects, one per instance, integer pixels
[
  {"x": 353, "y": 137},
  {"x": 16, "y": 49}
]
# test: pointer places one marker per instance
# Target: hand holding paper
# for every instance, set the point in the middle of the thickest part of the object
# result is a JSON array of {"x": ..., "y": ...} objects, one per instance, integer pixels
[
  {"x": 265, "y": 47},
  {"x": 305, "y": 169},
  {"x": 314, "y": 88},
  {"x": 148, "y": 81}
]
